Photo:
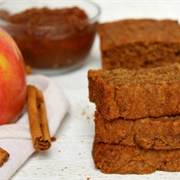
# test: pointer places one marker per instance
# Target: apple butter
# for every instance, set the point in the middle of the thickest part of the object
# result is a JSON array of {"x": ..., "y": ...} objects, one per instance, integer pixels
[{"x": 52, "y": 38}]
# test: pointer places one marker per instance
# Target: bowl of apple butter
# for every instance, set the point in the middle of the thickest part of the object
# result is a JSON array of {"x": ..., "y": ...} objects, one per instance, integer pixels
[{"x": 52, "y": 35}]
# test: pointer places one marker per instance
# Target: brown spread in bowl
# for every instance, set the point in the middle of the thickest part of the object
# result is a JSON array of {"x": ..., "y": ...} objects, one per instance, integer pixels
[{"x": 52, "y": 38}]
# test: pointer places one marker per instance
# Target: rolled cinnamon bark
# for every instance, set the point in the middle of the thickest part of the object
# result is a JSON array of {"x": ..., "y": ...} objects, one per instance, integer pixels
[
  {"x": 38, "y": 119},
  {"x": 4, "y": 156}
]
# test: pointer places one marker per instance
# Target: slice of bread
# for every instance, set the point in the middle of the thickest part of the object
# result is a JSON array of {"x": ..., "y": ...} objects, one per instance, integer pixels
[
  {"x": 135, "y": 94},
  {"x": 161, "y": 133},
  {"x": 120, "y": 159},
  {"x": 132, "y": 43}
]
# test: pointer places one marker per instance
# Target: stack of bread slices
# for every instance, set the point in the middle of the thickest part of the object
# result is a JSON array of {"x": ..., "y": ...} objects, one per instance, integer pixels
[
  {"x": 137, "y": 97},
  {"x": 137, "y": 119}
]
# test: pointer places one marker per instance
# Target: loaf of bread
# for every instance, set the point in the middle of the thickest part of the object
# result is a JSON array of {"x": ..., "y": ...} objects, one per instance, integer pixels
[
  {"x": 133, "y": 43},
  {"x": 120, "y": 159},
  {"x": 161, "y": 133},
  {"x": 135, "y": 94}
]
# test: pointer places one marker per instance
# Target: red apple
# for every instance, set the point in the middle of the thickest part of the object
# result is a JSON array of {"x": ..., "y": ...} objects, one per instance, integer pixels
[{"x": 12, "y": 80}]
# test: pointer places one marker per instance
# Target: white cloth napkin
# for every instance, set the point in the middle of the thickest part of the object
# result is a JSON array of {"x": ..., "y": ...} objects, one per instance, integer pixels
[{"x": 16, "y": 138}]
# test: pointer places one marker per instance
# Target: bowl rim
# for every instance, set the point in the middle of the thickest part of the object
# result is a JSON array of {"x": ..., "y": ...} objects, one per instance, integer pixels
[{"x": 88, "y": 20}]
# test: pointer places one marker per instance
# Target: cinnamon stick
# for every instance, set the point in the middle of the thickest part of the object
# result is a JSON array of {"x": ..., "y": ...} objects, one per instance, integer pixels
[
  {"x": 38, "y": 119},
  {"x": 4, "y": 156}
]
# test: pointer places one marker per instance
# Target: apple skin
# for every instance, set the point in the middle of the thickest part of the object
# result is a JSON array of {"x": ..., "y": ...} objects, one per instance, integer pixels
[{"x": 12, "y": 80}]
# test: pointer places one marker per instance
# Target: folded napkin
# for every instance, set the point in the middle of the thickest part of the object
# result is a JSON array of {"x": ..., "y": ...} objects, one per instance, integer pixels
[{"x": 16, "y": 138}]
